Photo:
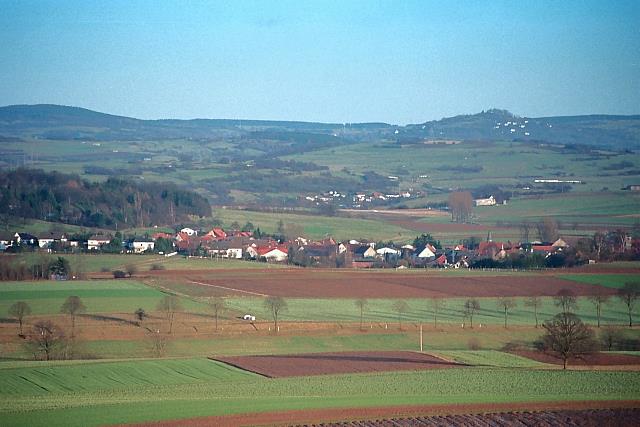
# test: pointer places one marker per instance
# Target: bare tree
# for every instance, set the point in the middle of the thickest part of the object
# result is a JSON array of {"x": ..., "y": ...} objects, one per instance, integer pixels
[
  {"x": 629, "y": 295},
  {"x": 566, "y": 299},
  {"x": 610, "y": 335},
  {"x": 461, "y": 205},
  {"x": 159, "y": 342},
  {"x": 131, "y": 269},
  {"x": 169, "y": 305},
  {"x": 547, "y": 229},
  {"x": 217, "y": 306},
  {"x": 534, "y": 302},
  {"x": 73, "y": 306},
  {"x": 275, "y": 305},
  {"x": 437, "y": 304},
  {"x": 361, "y": 304},
  {"x": 599, "y": 243},
  {"x": 471, "y": 307},
  {"x": 400, "y": 307},
  {"x": 525, "y": 229},
  {"x": 20, "y": 310},
  {"x": 598, "y": 301},
  {"x": 506, "y": 304},
  {"x": 567, "y": 337},
  {"x": 46, "y": 338}
]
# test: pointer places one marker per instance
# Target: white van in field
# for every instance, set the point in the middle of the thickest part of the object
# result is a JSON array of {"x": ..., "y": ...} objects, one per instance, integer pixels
[{"x": 249, "y": 317}]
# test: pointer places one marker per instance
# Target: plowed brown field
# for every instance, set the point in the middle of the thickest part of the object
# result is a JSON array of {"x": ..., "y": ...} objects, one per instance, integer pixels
[
  {"x": 293, "y": 365},
  {"x": 309, "y": 283},
  {"x": 587, "y": 418}
]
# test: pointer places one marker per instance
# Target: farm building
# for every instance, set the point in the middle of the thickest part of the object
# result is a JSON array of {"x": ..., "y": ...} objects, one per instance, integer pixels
[{"x": 491, "y": 201}]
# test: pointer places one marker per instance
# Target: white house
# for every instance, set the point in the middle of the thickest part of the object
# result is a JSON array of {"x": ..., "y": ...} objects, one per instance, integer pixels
[
  {"x": 491, "y": 201},
  {"x": 560, "y": 244},
  {"x": 45, "y": 241},
  {"x": 387, "y": 251},
  {"x": 189, "y": 231},
  {"x": 94, "y": 242},
  {"x": 364, "y": 251},
  {"x": 427, "y": 252},
  {"x": 140, "y": 245}
]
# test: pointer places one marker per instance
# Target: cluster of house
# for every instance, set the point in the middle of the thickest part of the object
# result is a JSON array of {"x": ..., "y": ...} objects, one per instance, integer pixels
[
  {"x": 55, "y": 241},
  {"x": 360, "y": 199},
  {"x": 326, "y": 252}
]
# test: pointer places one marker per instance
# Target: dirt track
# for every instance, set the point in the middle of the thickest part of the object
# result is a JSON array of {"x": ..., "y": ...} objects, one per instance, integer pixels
[
  {"x": 309, "y": 283},
  {"x": 316, "y": 416},
  {"x": 336, "y": 363}
]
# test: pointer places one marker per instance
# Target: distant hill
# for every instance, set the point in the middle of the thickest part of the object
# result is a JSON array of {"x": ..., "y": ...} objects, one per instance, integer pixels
[
  {"x": 618, "y": 132},
  {"x": 62, "y": 122}
]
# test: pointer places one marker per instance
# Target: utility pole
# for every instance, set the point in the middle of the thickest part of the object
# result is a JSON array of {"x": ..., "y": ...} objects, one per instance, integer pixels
[{"x": 420, "y": 337}]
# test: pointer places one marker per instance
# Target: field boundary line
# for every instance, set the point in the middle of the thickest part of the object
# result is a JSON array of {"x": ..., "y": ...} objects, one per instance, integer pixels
[{"x": 228, "y": 288}]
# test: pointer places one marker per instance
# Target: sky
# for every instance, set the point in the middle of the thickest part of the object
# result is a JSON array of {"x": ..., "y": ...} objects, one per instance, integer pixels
[{"x": 332, "y": 61}]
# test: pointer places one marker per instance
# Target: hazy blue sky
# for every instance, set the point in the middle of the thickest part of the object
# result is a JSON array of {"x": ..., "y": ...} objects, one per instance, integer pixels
[{"x": 340, "y": 61}]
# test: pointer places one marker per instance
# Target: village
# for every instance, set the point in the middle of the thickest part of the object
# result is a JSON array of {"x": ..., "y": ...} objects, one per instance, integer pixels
[{"x": 217, "y": 243}]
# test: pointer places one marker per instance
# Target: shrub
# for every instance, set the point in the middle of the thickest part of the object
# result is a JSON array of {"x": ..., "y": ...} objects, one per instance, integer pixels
[
  {"x": 156, "y": 266},
  {"x": 119, "y": 274},
  {"x": 474, "y": 344}
]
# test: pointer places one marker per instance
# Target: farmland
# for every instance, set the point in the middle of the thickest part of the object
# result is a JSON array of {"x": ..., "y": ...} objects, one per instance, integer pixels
[
  {"x": 121, "y": 364},
  {"x": 318, "y": 214},
  {"x": 232, "y": 394}
]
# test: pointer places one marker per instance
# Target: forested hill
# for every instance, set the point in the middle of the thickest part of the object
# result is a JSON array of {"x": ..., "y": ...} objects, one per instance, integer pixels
[
  {"x": 72, "y": 123},
  {"x": 114, "y": 203}
]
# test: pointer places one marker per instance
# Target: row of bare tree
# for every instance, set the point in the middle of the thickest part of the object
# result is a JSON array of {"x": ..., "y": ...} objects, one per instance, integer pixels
[{"x": 566, "y": 300}]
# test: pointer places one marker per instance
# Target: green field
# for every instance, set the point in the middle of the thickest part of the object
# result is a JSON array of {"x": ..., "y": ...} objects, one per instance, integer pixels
[
  {"x": 190, "y": 388},
  {"x": 609, "y": 280},
  {"x": 501, "y": 162},
  {"x": 79, "y": 376},
  {"x": 420, "y": 311},
  {"x": 93, "y": 263},
  {"x": 124, "y": 296},
  {"x": 491, "y": 358},
  {"x": 100, "y": 296},
  {"x": 597, "y": 209},
  {"x": 318, "y": 227}
]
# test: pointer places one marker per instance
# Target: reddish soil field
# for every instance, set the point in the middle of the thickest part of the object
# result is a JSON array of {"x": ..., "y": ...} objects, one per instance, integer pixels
[
  {"x": 595, "y": 359},
  {"x": 310, "y": 283},
  {"x": 589, "y": 413},
  {"x": 336, "y": 363}
]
